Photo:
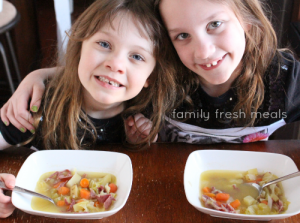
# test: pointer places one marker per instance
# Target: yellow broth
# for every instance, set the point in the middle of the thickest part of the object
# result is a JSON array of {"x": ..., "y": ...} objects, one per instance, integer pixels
[
  {"x": 40, "y": 204},
  {"x": 224, "y": 180}
]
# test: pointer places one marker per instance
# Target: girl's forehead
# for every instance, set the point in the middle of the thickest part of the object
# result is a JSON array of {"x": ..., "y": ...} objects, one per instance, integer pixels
[
  {"x": 124, "y": 30},
  {"x": 124, "y": 22},
  {"x": 184, "y": 6},
  {"x": 185, "y": 12}
]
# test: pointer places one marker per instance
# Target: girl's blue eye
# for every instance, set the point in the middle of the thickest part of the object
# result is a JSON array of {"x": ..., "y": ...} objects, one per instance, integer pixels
[
  {"x": 104, "y": 44},
  {"x": 137, "y": 57},
  {"x": 214, "y": 25},
  {"x": 182, "y": 36}
]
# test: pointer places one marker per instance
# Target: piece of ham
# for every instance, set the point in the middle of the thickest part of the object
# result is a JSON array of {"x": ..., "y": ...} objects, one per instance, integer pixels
[
  {"x": 211, "y": 203},
  {"x": 64, "y": 174},
  {"x": 215, "y": 191},
  {"x": 108, "y": 202},
  {"x": 280, "y": 206},
  {"x": 59, "y": 176},
  {"x": 93, "y": 194},
  {"x": 235, "y": 187},
  {"x": 62, "y": 184},
  {"x": 102, "y": 198},
  {"x": 67, "y": 203},
  {"x": 101, "y": 188},
  {"x": 53, "y": 176},
  {"x": 71, "y": 205}
]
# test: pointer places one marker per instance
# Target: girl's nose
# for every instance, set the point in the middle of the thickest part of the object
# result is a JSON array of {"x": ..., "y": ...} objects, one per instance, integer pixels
[
  {"x": 115, "y": 64},
  {"x": 204, "y": 48}
]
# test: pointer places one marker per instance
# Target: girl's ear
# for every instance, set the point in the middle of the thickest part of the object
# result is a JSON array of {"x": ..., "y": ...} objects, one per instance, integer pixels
[
  {"x": 146, "y": 83},
  {"x": 247, "y": 26}
]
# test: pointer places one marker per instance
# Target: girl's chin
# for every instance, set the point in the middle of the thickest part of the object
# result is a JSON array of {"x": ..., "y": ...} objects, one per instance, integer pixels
[{"x": 214, "y": 83}]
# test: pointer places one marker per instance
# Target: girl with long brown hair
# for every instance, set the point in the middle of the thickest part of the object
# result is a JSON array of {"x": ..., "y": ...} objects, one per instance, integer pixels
[
  {"x": 242, "y": 87},
  {"x": 116, "y": 65}
]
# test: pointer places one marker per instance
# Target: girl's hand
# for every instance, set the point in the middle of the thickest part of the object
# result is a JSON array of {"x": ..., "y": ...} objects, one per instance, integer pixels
[
  {"x": 6, "y": 206},
  {"x": 15, "y": 111},
  {"x": 136, "y": 133}
]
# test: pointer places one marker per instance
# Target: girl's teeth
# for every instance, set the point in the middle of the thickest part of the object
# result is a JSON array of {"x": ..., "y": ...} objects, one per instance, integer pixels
[
  {"x": 114, "y": 84},
  {"x": 212, "y": 64},
  {"x": 103, "y": 79}
]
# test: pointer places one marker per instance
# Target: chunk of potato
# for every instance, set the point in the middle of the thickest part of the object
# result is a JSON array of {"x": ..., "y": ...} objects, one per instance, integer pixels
[
  {"x": 248, "y": 200},
  {"x": 74, "y": 192},
  {"x": 74, "y": 180},
  {"x": 253, "y": 171}
]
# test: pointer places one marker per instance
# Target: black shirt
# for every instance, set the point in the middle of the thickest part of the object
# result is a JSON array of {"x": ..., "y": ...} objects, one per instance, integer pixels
[
  {"x": 211, "y": 118},
  {"x": 109, "y": 130}
]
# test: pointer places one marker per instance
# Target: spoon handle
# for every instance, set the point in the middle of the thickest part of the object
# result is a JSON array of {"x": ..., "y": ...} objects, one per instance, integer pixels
[
  {"x": 23, "y": 190},
  {"x": 282, "y": 178}
]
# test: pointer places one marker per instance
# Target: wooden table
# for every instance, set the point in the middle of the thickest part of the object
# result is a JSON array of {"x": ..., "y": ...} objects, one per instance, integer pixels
[{"x": 157, "y": 193}]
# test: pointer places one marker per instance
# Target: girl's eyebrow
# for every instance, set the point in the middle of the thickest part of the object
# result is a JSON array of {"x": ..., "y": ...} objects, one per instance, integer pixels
[
  {"x": 214, "y": 15},
  {"x": 104, "y": 32},
  {"x": 137, "y": 46},
  {"x": 144, "y": 49},
  {"x": 211, "y": 17}
]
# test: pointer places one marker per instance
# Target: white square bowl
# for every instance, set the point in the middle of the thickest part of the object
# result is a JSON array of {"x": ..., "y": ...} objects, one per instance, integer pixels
[
  {"x": 280, "y": 165},
  {"x": 41, "y": 162}
]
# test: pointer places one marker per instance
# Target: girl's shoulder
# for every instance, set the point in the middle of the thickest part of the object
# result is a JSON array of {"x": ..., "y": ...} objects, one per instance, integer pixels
[
  {"x": 286, "y": 60},
  {"x": 284, "y": 68},
  {"x": 284, "y": 82}
]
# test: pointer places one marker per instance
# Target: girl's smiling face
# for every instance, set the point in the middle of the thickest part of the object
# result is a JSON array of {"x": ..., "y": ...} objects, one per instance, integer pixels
[
  {"x": 208, "y": 38},
  {"x": 115, "y": 64}
]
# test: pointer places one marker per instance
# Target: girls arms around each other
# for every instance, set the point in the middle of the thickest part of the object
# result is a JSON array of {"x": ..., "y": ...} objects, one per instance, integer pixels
[
  {"x": 235, "y": 76},
  {"x": 15, "y": 111},
  {"x": 113, "y": 67}
]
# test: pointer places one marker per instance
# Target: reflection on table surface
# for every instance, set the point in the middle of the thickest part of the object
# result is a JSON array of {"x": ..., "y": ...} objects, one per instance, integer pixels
[{"x": 157, "y": 193}]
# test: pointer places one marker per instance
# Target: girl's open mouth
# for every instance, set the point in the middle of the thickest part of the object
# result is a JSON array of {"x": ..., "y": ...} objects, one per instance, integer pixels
[
  {"x": 212, "y": 65},
  {"x": 109, "y": 82}
]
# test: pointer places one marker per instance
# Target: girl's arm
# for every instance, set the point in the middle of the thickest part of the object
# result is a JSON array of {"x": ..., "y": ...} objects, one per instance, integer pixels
[
  {"x": 135, "y": 133},
  {"x": 15, "y": 111},
  {"x": 6, "y": 206}
]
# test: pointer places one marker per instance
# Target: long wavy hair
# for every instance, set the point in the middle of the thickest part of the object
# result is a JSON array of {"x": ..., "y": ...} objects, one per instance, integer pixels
[
  {"x": 261, "y": 47},
  {"x": 63, "y": 98}
]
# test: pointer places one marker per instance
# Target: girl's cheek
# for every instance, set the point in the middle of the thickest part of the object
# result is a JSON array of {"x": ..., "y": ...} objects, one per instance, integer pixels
[{"x": 183, "y": 52}]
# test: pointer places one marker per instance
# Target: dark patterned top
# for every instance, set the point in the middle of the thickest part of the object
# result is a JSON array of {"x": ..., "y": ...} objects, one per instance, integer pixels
[
  {"x": 109, "y": 130},
  {"x": 211, "y": 118}
]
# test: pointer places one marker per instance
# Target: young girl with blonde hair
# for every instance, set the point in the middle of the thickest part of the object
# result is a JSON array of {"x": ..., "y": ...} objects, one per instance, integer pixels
[{"x": 116, "y": 65}]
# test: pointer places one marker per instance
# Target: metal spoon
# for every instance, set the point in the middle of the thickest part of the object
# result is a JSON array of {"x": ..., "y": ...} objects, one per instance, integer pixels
[
  {"x": 260, "y": 188},
  {"x": 23, "y": 190}
]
